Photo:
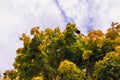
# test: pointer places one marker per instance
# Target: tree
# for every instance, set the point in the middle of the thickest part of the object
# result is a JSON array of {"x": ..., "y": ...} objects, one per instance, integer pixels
[
  {"x": 38, "y": 78},
  {"x": 31, "y": 60},
  {"x": 114, "y": 31},
  {"x": 10, "y": 74},
  {"x": 38, "y": 53},
  {"x": 109, "y": 67},
  {"x": 92, "y": 44},
  {"x": 69, "y": 71},
  {"x": 64, "y": 45},
  {"x": 68, "y": 55}
]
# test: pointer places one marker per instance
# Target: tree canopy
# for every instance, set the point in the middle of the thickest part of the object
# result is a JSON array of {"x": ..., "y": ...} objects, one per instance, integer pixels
[{"x": 68, "y": 55}]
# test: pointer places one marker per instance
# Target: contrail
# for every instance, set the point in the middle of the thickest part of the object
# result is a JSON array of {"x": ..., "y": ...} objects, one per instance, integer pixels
[{"x": 63, "y": 13}]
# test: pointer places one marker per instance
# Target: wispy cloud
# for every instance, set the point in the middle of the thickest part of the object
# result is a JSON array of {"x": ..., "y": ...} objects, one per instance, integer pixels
[
  {"x": 63, "y": 13},
  {"x": 102, "y": 13},
  {"x": 19, "y": 16}
]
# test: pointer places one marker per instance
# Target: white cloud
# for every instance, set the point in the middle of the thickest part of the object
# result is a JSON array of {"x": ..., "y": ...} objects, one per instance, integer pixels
[{"x": 19, "y": 16}]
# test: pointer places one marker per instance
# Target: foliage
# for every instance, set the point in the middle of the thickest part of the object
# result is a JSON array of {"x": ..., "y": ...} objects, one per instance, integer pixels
[
  {"x": 86, "y": 54},
  {"x": 108, "y": 68},
  {"x": 68, "y": 55},
  {"x": 69, "y": 71},
  {"x": 38, "y": 78},
  {"x": 30, "y": 60},
  {"x": 10, "y": 74}
]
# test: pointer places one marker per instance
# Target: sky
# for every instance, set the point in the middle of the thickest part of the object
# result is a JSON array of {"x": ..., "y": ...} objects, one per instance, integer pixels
[{"x": 19, "y": 16}]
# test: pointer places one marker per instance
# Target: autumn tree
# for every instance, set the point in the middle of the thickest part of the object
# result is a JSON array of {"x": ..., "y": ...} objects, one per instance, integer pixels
[
  {"x": 54, "y": 54},
  {"x": 38, "y": 53},
  {"x": 10, "y": 74},
  {"x": 30, "y": 60},
  {"x": 109, "y": 67},
  {"x": 92, "y": 50},
  {"x": 69, "y": 71}
]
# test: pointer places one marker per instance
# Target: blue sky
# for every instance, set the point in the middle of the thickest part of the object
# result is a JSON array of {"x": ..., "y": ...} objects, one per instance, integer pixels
[{"x": 18, "y": 16}]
